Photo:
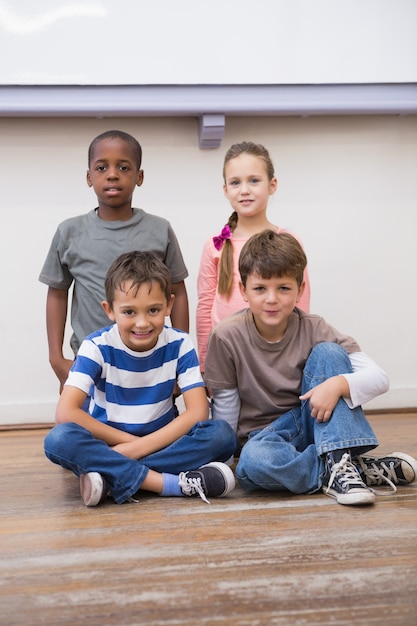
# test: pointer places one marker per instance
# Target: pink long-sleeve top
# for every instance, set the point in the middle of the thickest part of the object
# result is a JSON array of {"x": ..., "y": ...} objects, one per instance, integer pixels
[{"x": 213, "y": 307}]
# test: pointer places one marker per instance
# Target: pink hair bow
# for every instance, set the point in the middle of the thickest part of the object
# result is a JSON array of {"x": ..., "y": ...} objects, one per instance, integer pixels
[{"x": 220, "y": 239}]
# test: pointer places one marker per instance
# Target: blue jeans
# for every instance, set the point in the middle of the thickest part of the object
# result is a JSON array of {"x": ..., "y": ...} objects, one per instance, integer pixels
[
  {"x": 285, "y": 455},
  {"x": 74, "y": 448}
]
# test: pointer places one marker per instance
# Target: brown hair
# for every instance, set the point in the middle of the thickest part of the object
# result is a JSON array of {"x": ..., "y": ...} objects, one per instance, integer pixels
[
  {"x": 138, "y": 268},
  {"x": 271, "y": 254},
  {"x": 225, "y": 285}
]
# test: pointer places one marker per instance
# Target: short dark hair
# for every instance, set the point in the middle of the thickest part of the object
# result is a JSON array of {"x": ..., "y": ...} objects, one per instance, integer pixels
[
  {"x": 269, "y": 254},
  {"x": 138, "y": 268},
  {"x": 117, "y": 134}
]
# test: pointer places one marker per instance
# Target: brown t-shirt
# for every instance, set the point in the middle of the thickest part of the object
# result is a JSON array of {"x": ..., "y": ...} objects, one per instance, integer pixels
[{"x": 267, "y": 375}]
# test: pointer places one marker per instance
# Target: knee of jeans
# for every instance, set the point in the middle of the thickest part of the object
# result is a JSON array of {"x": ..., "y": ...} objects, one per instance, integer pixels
[
  {"x": 327, "y": 347},
  {"x": 330, "y": 350},
  {"x": 250, "y": 456},
  {"x": 58, "y": 437}
]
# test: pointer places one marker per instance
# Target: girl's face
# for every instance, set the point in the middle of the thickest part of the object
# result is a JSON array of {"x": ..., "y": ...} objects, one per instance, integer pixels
[{"x": 247, "y": 186}]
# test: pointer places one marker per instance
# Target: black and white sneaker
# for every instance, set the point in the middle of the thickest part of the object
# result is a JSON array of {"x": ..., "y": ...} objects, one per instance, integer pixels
[
  {"x": 394, "y": 469},
  {"x": 342, "y": 481},
  {"x": 93, "y": 488},
  {"x": 214, "y": 480}
]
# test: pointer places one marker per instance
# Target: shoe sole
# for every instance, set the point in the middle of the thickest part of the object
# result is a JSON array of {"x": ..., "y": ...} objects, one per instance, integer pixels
[
  {"x": 229, "y": 477},
  {"x": 352, "y": 499},
  {"x": 91, "y": 488}
]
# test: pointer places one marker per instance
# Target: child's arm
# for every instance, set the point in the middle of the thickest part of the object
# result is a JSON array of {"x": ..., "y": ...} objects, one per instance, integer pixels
[
  {"x": 196, "y": 410},
  {"x": 366, "y": 382},
  {"x": 206, "y": 290},
  {"x": 226, "y": 406},
  {"x": 180, "y": 315},
  {"x": 56, "y": 315},
  {"x": 69, "y": 410}
]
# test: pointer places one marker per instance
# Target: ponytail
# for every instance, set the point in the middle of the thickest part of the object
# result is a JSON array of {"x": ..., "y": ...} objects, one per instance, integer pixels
[{"x": 226, "y": 261}]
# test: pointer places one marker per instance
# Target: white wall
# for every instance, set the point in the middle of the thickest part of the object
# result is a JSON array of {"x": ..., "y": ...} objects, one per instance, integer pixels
[
  {"x": 209, "y": 41},
  {"x": 348, "y": 187}
]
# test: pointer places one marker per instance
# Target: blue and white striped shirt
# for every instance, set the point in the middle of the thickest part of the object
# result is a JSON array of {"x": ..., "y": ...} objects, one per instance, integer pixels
[{"x": 133, "y": 391}]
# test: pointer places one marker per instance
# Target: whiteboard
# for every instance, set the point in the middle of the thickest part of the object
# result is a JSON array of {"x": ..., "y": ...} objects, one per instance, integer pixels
[{"x": 190, "y": 42}]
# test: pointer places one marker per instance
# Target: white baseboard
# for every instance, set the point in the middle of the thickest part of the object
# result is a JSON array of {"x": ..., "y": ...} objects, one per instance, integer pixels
[
  {"x": 43, "y": 413},
  {"x": 39, "y": 413}
]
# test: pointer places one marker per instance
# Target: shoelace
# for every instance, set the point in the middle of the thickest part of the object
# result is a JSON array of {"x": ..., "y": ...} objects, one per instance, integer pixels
[
  {"x": 349, "y": 473},
  {"x": 377, "y": 476},
  {"x": 191, "y": 486}
]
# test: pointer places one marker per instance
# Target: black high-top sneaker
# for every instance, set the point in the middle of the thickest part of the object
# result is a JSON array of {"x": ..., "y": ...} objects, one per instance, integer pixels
[{"x": 342, "y": 480}]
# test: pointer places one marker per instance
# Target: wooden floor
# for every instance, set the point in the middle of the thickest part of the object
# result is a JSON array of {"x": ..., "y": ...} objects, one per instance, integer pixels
[{"x": 249, "y": 560}]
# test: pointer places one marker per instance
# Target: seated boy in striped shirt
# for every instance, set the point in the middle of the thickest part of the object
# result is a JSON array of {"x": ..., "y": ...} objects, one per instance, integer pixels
[{"x": 132, "y": 437}]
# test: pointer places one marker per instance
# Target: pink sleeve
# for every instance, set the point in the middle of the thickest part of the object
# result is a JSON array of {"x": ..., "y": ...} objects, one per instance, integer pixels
[
  {"x": 206, "y": 291},
  {"x": 304, "y": 302}
]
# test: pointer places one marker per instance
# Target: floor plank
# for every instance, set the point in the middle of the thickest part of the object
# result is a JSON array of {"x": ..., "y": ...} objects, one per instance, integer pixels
[{"x": 246, "y": 560}]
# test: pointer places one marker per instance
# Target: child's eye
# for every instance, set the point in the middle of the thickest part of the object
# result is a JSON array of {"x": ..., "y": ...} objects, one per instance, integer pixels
[
  {"x": 260, "y": 288},
  {"x": 128, "y": 312},
  {"x": 123, "y": 168},
  {"x": 101, "y": 168},
  {"x": 254, "y": 181},
  {"x": 234, "y": 183},
  {"x": 154, "y": 310}
]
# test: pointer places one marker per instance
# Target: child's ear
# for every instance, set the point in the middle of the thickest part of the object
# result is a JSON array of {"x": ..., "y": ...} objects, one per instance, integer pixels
[
  {"x": 170, "y": 304},
  {"x": 243, "y": 291},
  {"x": 108, "y": 310},
  {"x": 89, "y": 183},
  {"x": 300, "y": 292},
  {"x": 273, "y": 186},
  {"x": 139, "y": 178}
]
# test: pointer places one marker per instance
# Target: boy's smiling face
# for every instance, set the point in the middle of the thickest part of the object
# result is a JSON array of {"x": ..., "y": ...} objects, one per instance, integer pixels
[
  {"x": 139, "y": 314},
  {"x": 271, "y": 301}
]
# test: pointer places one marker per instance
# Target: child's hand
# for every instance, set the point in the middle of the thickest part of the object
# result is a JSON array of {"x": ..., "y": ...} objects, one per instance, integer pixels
[
  {"x": 325, "y": 396},
  {"x": 129, "y": 448},
  {"x": 61, "y": 370}
]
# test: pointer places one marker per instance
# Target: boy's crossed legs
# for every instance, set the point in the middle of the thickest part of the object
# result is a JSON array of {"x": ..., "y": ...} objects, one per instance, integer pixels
[
  {"x": 298, "y": 454},
  {"x": 102, "y": 470}
]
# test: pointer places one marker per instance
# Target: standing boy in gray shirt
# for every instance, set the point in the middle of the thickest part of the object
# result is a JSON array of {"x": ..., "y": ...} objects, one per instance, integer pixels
[{"x": 84, "y": 247}]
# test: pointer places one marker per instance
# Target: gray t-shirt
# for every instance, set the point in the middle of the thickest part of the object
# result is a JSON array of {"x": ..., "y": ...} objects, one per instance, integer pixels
[
  {"x": 84, "y": 247},
  {"x": 267, "y": 375}
]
